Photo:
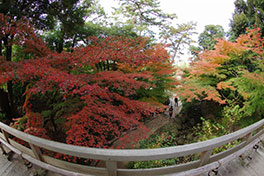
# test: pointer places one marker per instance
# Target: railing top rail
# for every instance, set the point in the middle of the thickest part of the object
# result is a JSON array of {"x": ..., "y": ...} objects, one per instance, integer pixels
[{"x": 132, "y": 154}]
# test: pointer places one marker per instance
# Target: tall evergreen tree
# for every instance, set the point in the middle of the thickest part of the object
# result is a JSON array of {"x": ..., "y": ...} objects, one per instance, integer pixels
[
  {"x": 148, "y": 19},
  {"x": 248, "y": 13},
  {"x": 207, "y": 37}
]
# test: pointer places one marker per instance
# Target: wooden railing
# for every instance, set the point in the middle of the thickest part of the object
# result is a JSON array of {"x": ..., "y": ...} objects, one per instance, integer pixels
[{"x": 250, "y": 136}]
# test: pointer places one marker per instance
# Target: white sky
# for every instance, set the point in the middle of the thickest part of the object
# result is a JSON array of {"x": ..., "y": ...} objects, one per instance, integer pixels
[{"x": 203, "y": 12}]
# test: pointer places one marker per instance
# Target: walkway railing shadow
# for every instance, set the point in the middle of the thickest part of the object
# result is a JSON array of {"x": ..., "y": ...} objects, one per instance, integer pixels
[{"x": 250, "y": 137}]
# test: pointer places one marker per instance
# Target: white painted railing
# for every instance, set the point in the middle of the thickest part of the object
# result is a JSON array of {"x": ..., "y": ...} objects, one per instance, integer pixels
[{"x": 250, "y": 136}]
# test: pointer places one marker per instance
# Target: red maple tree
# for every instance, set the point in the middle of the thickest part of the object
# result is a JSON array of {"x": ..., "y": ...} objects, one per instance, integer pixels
[{"x": 105, "y": 76}]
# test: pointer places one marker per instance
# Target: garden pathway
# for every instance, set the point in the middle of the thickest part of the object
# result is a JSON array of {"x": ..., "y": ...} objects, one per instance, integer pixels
[{"x": 153, "y": 125}]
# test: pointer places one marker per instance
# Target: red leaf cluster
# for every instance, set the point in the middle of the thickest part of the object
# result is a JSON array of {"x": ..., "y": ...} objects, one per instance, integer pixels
[{"x": 106, "y": 92}]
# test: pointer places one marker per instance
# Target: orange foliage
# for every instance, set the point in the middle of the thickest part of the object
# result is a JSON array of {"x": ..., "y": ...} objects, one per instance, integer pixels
[
  {"x": 225, "y": 85},
  {"x": 210, "y": 62}
]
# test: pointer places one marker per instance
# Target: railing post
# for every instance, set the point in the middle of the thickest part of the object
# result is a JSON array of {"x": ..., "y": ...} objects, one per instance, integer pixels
[
  {"x": 111, "y": 166},
  {"x": 248, "y": 137},
  {"x": 37, "y": 152},
  {"x": 205, "y": 156},
  {"x": 11, "y": 153},
  {"x": 6, "y": 135},
  {"x": 2, "y": 148}
]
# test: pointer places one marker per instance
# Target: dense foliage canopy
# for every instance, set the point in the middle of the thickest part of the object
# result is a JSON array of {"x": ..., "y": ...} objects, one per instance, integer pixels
[
  {"x": 230, "y": 74},
  {"x": 88, "y": 83},
  {"x": 207, "y": 38},
  {"x": 247, "y": 14},
  {"x": 92, "y": 94}
]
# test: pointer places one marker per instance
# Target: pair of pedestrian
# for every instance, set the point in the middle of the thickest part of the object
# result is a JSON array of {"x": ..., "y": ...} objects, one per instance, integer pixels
[{"x": 172, "y": 102}]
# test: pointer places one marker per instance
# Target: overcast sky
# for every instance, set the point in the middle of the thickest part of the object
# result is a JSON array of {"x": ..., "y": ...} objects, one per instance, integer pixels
[{"x": 203, "y": 12}]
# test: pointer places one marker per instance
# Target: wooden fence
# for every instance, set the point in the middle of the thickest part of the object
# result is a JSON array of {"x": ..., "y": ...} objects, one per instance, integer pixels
[{"x": 250, "y": 136}]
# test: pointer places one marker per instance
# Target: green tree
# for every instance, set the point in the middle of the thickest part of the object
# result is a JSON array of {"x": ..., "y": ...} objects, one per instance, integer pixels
[
  {"x": 207, "y": 38},
  {"x": 23, "y": 8},
  {"x": 69, "y": 17},
  {"x": 149, "y": 20},
  {"x": 142, "y": 14},
  {"x": 177, "y": 37},
  {"x": 239, "y": 25},
  {"x": 247, "y": 14},
  {"x": 195, "y": 50},
  {"x": 232, "y": 75}
]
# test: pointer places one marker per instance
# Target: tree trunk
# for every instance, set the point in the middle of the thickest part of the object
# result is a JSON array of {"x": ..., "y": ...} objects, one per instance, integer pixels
[
  {"x": 10, "y": 103},
  {"x": 108, "y": 65},
  {"x": 59, "y": 47},
  {"x": 1, "y": 54},
  {"x": 73, "y": 43},
  {"x": 9, "y": 83},
  {"x": 4, "y": 105}
]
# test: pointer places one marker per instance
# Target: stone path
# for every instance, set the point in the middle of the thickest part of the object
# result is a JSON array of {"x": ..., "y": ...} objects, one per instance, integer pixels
[{"x": 154, "y": 125}]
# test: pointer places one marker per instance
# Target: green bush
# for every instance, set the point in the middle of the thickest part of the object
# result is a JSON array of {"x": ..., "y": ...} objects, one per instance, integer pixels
[
  {"x": 165, "y": 138},
  {"x": 2, "y": 117},
  {"x": 210, "y": 129}
]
